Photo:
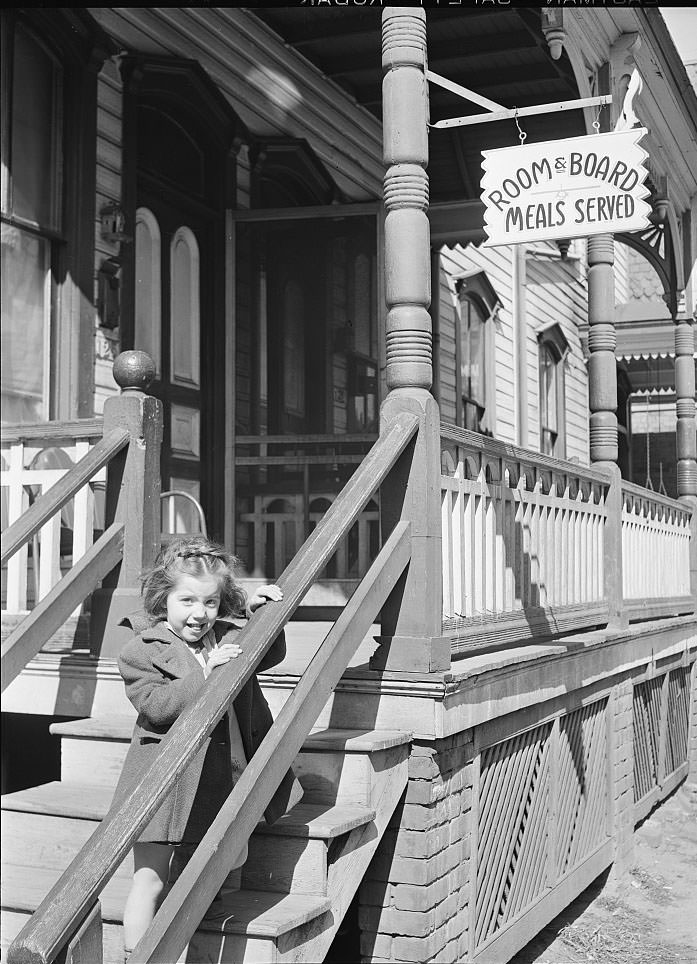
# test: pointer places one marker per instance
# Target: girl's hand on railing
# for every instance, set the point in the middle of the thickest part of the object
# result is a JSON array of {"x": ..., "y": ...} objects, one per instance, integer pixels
[
  {"x": 263, "y": 595},
  {"x": 220, "y": 655}
]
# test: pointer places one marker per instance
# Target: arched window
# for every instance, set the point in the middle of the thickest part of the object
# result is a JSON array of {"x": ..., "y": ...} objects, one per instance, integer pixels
[
  {"x": 185, "y": 307},
  {"x": 148, "y": 302},
  {"x": 552, "y": 350}
]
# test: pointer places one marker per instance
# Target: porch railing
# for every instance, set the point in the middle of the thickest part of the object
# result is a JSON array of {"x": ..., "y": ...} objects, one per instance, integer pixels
[
  {"x": 525, "y": 545},
  {"x": 34, "y": 459},
  {"x": 56, "y": 467},
  {"x": 60, "y": 596},
  {"x": 655, "y": 551}
]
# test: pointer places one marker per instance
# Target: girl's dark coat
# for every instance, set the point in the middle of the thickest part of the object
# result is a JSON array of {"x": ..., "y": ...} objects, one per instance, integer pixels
[{"x": 163, "y": 677}]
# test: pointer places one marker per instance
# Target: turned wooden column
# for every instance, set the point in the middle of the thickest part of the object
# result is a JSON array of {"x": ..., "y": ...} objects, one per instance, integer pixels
[
  {"x": 412, "y": 617},
  {"x": 602, "y": 341},
  {"x": 686, "y": 430},
  {"x": 602, "y": 398},
  {"x": 407, "y": 234},
  {"x": 686, "y": 442}
]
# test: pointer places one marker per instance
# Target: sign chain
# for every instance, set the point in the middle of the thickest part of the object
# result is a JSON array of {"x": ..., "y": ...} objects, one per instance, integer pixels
[
  {"x": 521, "y": 133},
  {"x": 596, "y": 122}
]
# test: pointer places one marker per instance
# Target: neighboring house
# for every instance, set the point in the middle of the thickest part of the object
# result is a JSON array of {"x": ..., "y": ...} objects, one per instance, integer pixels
[{"x": 242, "y": 195}]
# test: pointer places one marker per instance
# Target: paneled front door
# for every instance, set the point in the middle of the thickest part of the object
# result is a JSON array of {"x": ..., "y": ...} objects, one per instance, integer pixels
[{"x": 171, "y": 306}]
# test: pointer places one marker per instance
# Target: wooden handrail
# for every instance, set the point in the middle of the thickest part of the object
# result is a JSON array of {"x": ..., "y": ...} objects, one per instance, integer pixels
[
  {"x": 630, "y": 488},
  {"x": 63, "y": 908},
  {"x": 45, "y": 431},
  {"x": 490, "y": 446},
  {"x": 21, "y": 531},
  {"x": 53, "y": 610},
  {"x": 205, "y": 872}
]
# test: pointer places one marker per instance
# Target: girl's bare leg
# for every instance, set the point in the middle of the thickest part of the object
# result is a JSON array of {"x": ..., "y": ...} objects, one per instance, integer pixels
[{"x": 151, "y": 868}]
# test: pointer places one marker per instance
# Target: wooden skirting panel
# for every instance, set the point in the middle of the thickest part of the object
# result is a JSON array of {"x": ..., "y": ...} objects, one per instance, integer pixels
[
  {"x": 468, "y": 635},
  {"x": 515, "y": 935},
  {"x": 541, "y": 813},
  {"x": 660, "y": 719}
]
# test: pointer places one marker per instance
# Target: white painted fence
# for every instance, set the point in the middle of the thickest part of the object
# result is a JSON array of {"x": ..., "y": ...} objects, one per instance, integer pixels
[
  {"x": 33, "y": 458},
  {"x": 655, "y": 545},
  {"x": 524, "y": 540},
  {"x": 523, "y": 537}
]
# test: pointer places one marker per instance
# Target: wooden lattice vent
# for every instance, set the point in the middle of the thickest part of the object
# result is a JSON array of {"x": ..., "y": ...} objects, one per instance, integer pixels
[{"x": 543, "y": 808}]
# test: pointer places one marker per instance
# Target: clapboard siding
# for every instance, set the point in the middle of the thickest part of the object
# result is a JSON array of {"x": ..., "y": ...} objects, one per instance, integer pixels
[
  {"x": 447, "y": 356},
  {"x": 497, "y": 264},
  {"x": 274, "y": 90},
  {"x": 555, "y": 293}
]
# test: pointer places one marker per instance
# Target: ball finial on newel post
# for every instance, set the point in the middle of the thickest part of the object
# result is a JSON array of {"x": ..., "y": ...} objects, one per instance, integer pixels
[{"x": 134, "y": 371}]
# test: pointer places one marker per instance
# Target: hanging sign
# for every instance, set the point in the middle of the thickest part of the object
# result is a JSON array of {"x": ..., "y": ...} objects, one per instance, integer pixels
[{"x": 570, "y": 188}]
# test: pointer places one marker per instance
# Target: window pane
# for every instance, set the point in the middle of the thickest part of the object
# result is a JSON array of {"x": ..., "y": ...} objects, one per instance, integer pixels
[
  {"x": 33, "y": 132},
  {"x": 25, "y": 320},
  {"x": 548, "y": 389},
  {"x": 185, "y": 307},
  {"x": 148, "y": 286},
  {"x": 473, "y": 343}
]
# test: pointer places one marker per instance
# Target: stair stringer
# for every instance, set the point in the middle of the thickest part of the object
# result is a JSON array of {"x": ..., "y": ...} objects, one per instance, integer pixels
[{"x": 310, "y": 943}]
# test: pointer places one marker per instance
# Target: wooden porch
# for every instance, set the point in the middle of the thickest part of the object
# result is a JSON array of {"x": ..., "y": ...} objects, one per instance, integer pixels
[
  {"x": 549, "y": 710},
  {"x": 506, "y": 691}
]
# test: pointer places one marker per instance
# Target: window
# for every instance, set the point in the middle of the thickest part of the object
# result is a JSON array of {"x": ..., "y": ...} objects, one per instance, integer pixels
[
  {"x": 478, "y": 306},
  {"x": 47, "y": 198},
  {"x": 472, "y": 371},
  {"x": 31, "y": 218},
  {"x": 552, "y": 350}
]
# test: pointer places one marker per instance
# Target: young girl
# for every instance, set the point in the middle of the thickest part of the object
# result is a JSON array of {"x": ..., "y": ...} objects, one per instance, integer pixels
[{"x": 180, "y": 642}]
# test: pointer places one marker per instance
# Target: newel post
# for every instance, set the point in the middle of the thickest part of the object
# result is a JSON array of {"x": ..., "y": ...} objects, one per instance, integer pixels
[
  {"x": 412, "y": 639},
  {"x": 132, "y": 495},
  {"x": 686, "y": 434},
  {"x": 602, "y": 391}
]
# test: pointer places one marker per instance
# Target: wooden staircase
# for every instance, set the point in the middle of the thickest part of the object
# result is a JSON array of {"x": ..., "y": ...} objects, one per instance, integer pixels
[{"x": 300, "y": 875}]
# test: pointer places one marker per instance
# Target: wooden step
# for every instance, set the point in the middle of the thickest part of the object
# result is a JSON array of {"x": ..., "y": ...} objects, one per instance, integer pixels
[
  {"x": 331, "y": 842},
  {"x": 87, "y": 802},
  {"x": 44, "y": 840},
  {"x": 46, "y": 827},
  {"x": 333, "y": 765},
  {"x": 248, "y": 929}
]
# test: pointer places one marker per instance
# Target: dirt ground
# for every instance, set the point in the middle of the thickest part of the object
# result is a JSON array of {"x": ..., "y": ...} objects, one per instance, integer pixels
[{"x": 647, "y": 917}]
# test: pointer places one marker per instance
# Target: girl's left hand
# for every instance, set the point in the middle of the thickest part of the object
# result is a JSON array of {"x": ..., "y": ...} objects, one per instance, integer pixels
[{"x": 263, "y": 595}]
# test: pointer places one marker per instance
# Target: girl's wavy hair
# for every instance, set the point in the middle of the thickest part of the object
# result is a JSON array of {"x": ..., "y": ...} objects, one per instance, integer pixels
[{"x": 194, "y": 556}]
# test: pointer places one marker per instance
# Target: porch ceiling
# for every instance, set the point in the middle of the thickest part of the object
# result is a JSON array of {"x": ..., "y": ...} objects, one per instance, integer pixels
[{"x": 501, "y": 54}]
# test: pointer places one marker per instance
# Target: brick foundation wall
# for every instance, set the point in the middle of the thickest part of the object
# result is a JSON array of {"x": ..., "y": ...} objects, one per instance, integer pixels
[{"x": 413, "y": 901}]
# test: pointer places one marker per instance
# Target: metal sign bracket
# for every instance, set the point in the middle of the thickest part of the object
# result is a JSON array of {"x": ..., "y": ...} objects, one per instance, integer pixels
[{"x": 498, "y": 111}]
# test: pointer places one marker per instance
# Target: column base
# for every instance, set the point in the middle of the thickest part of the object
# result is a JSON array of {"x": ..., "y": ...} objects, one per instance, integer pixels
[{"x": 412, "y": 654}]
